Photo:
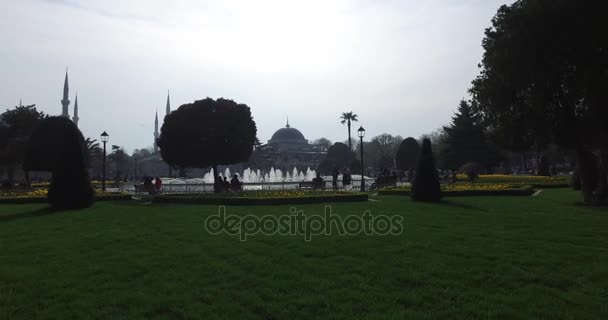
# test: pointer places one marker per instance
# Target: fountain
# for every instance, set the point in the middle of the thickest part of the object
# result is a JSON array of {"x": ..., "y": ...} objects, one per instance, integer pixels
[{"x": 252, "y": 179}]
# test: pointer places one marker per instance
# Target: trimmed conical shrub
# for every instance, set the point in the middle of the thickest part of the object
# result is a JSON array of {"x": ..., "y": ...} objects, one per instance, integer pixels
[{"x": 426, "y": 183}]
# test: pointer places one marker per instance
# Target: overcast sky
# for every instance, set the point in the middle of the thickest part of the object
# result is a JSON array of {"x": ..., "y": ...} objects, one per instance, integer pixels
[{"x": 402, "y": 66}]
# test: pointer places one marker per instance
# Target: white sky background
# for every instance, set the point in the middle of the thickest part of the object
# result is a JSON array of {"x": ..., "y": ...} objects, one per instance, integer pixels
[{"x": 402, "y": 66}]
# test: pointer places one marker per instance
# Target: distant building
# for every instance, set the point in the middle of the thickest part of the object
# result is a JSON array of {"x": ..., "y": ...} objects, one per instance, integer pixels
[{"x": 288, "y": 148}]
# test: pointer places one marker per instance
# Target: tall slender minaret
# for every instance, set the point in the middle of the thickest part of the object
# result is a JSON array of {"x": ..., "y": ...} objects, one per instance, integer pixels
[
  {"x": 66, "y": 101},
  {"x": 21, "y": 105},
  {"x": 156, "y": 134},
  {"x": 168, "y": 103},
  {"x": 75, "y": 117}
]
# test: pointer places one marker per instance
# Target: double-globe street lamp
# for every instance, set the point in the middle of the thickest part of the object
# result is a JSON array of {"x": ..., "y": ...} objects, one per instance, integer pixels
[
  {"x": 104, "y": 138},
  {"x": 361, "y": 133}
]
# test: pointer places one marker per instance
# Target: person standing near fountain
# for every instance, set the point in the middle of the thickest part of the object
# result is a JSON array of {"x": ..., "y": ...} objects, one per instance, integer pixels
[
  {"x": 158, "y": 183},
  {"x": 235, "y": 184},
  {"x": 226, "y": 184},
  {"x": 346, "y": 178},
  {"x": 334, "y": 178}
]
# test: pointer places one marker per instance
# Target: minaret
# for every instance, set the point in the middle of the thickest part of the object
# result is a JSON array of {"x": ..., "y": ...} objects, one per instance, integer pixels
[
  {"x": 75, "y": 117},
  {"x": 66, "y": 101},
  {"x": 156, "y": 134},
  {"x": 287, "y": 125},
  {"x": 20, "y": 105},
  {"x": 168, "y": 103}
]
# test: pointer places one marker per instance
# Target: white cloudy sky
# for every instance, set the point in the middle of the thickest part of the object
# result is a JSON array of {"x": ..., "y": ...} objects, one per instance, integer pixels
[{"x": 402, "y": 66}]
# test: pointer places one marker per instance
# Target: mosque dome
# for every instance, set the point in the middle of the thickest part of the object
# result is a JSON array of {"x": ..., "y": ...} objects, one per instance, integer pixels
[{"x": 288, "y": 135}]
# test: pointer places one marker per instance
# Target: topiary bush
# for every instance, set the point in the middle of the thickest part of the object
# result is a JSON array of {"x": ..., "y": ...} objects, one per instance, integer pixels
[
  {"x": 426, "y": 186},
  {"x": 58, "y": 146},
  {"x": 407, "y": 154}
]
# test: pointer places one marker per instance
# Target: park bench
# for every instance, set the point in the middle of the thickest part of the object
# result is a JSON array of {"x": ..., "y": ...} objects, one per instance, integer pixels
[
  {"x": 383, "y": 182},
  {"x": 142, "y": 189},
  {"x": 310, "y": 185},
  {"x": 306, "y": 185}
]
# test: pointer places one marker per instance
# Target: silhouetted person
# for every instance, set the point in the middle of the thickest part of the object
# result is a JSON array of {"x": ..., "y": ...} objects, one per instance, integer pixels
[
  {"x": 334, "y": 178},
  {"x": 346, "y": 178},
  {"x": 218, "y": 184},
  {"x": 159, "y": 183},
  {"x": 235, "y": 184},
  {"x": 318, "y": 183},
  {"x": 149, "y": 186},
  {"x": 226, "y": 184}
]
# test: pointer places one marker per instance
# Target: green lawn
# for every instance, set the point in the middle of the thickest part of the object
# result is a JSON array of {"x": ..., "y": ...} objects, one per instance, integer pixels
[{"x": 478, "y": 257}]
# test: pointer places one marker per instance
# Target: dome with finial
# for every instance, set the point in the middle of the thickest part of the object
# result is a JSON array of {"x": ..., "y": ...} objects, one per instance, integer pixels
[{"x": 288, "y": 135}]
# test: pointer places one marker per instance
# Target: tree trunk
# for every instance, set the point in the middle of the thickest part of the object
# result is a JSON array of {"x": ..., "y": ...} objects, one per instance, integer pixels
[
  {"x": 602, "y": 190},
  {"x": 350, "y": 146},
  {"x": 592, "y": 176},
  {"x": 216, "y": 182},
  {"x": 26, "y": 175},
  {"x": 10, "y": 174}
]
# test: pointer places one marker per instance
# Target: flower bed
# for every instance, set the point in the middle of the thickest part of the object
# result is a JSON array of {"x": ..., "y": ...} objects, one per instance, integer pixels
[
  {"x": 40, "y": 196},
  {"x": 47, "y": 184},
  {"x": 278, "y": 197},
  {"x": 469, "y": 189},
  {"x": 534, "y": 181}
]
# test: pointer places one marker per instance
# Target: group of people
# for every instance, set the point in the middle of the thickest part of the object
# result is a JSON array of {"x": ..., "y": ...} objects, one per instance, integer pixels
[
  {"x": 347, "y": 179},
  {"x": 319, "y": 183},
  {"x": 153, "y": 187},
  {"x": 387, "y": 178},
  {"x": 223, "y": 185}
]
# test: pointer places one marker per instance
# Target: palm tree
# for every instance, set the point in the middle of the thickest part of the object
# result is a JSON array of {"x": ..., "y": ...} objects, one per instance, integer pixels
[
  {"x": 93, "y": 150},
  {"x": 348, "y": 117}
]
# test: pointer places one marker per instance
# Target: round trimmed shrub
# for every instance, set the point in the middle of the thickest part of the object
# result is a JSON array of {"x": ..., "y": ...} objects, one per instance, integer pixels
[
  {"x": 58, "y": 146},
  {"x": 407, "y": 154}
]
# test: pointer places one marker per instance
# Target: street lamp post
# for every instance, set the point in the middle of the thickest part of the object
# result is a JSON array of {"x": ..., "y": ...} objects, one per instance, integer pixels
[
  {"x": 104, "y": 139},
  {"x": 361, "y": 133}
]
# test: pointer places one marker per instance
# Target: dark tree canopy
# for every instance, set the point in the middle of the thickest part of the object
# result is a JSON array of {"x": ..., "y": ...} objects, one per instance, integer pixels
[
  {"x": 207, "y": 133},
  {"x": 465, "y": 141},
  {"x": 58, "y": 146},
  {"x": 16, "y": 127},
  {"x": 323, "y": 143},
  {"x": 426, "y": 186},
  {"x": 544, "y": 78},
  {"x": 407, "y": 154},
  {"x": 120, "y": 161},
  {"x": 338, "y": 156}
]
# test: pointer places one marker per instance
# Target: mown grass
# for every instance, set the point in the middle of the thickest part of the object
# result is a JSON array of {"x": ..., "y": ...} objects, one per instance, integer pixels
[{"x": 478, "y": 257}]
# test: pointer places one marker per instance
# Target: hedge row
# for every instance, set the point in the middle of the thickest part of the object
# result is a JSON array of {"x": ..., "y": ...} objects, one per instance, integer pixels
[
  {"x": 520, "y": 191},
  {"x": 240, "y": 201},
  {"x": 554, "y": 185},
  {"x": 23, "y": 200}
]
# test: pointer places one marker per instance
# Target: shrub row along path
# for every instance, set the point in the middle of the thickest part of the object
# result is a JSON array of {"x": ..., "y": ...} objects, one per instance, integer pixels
[{"x": 472, "y": 257}]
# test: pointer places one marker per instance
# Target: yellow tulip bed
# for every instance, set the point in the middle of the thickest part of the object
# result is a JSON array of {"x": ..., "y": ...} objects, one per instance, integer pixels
[
  {"x": 274, "y": 197},
  {"x": 40, "y": 195},
  {"x": 476, "y": 187},
  {"x": 47, "y": 184},
  {"x": 535, "y": 181},
  {"x": 470, "y": 189}
]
